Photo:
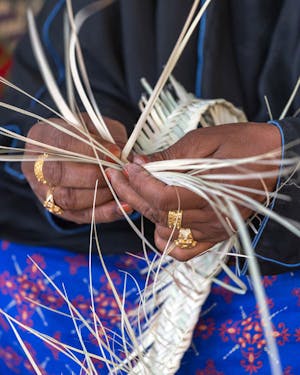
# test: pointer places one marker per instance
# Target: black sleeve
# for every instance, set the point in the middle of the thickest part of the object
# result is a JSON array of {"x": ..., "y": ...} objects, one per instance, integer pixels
[{"x": 274, "y": 241}]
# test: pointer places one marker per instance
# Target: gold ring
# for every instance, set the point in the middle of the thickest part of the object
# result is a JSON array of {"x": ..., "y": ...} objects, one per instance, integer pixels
[
  {"x": 174, "y": 219},
  {"x": 38, "y": 168},
  {"x": 185, "y": 239},
  {"x": 50, "y": 205}
]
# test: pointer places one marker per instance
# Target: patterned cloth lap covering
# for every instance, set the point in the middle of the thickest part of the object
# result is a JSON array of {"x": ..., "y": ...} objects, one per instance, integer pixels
[{"x": 228, "y": 338}]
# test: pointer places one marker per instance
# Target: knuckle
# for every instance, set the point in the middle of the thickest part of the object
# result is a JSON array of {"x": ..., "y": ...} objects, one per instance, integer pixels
[
  {"x": 105, "y": 216},
  {"x": 62, "y": 141},
  {"x": 87, "y": 216},
  {"x": 152, "y": 214},
  {"x": 164, "y": 199},
  {"x": 53, "y": 172},
  {"x": 217, "y": 227},
  {"x": 161, "y": 202},
  {"x": 137, "y": 183},
  {"x": 66, "y": 198}
]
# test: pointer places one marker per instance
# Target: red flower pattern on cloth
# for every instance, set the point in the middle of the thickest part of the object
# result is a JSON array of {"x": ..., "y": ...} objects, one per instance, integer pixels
[
  {"x": 32, "y": 269},
  {"x": 288, "y": 371},
  {"x": 247, "y": 334},
  {"x": 297, "y": 334},
  {"x": 209, "y": 369},
  {"x": 75, "y": 262},
  {"x": 4, "y": 244},
  {"x": 251, "y": 363},
  {"x": 55, "y": 352},
  {"x": 229, "y": 331},
  {"x": 269, "y": 280},
  {"x": 231, "y": 334},
  {"x": 225, "y": 293},
  {"x": 11, "y": 358},
  {"x": 205, "y": 328},
  {"x": 7, "y": 286}
]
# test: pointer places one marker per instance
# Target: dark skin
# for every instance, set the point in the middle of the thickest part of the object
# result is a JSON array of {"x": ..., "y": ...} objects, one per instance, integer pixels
[
  {"x": 154, "y": 199},
  {"x": 75, "y": 182},
  {"x": 145, "y": 194}
]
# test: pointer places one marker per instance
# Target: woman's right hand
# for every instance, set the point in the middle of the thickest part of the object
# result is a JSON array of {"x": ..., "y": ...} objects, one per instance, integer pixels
[{"x": 74, "y": 183}]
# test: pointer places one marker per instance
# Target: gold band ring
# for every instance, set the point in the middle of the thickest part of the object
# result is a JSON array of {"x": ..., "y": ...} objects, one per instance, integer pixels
[
  {"x": 174, "y": 219},
  {"x": 50, "y": 205},
  {"x": 185, "y": 239},
  {"x": 38, "y": 168}
]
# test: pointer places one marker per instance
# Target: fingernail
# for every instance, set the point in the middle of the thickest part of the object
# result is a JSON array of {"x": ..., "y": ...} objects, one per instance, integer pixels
[
  {"x": 125, "y": 171},
  {"x": 140, "y": 159},
  {"x": 115, "y": 150},
  {"x": 126, "y": 208}
]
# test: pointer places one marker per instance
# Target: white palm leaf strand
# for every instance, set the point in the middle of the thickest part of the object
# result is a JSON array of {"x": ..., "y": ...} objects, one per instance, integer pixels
[
  {"x": 24, "y": 347},
  {"x": 70, "y": 89},
  {"x": 183, "y": 39},
  {"x": 291, "y": 98},
  {"x": 89, "y": 101},
  {"x": 14, "y": 87},
  {"x": 65, "y": 349},
  {"x": 86, "y": 138},
  {"x": 259, "y": 291},
  {"x": 47, "y": 74}
]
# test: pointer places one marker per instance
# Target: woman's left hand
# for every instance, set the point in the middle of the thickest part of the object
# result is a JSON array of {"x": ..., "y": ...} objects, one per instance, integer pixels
[{"x": 154, "y": 199}]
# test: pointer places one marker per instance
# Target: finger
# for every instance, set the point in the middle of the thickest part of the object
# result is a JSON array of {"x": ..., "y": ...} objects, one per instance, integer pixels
[
  {"x": 181, "y": 255},
  {"x": 201, "y": 234},
  {"x": 159, "y": 195},
  {"x": 80, "y": 199},
  {"x": 73, "y": 199},
  {"x": 77, "y": 175},
  {"x": 126, "y": 193},
  {"x": 106, "y": 213},
  {"x": 166, "y": 233},
  {"x": 68, "y": 174},
  {"x": 191, "y": 218}
]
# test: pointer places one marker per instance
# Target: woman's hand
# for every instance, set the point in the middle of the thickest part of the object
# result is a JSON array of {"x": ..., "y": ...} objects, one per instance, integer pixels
[
  {"x": 154, "y": 199},
  {"x": 74, "y": 183}
]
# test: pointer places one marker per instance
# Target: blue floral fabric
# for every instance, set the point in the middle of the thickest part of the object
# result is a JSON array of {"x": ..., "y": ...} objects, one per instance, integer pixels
[{"x": 228, "y": 338}]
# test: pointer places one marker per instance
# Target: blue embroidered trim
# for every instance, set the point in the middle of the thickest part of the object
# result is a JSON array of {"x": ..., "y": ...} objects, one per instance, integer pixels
[
  {"x": 59, "y": 229},
  {"x": 200, "y": 55}
]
